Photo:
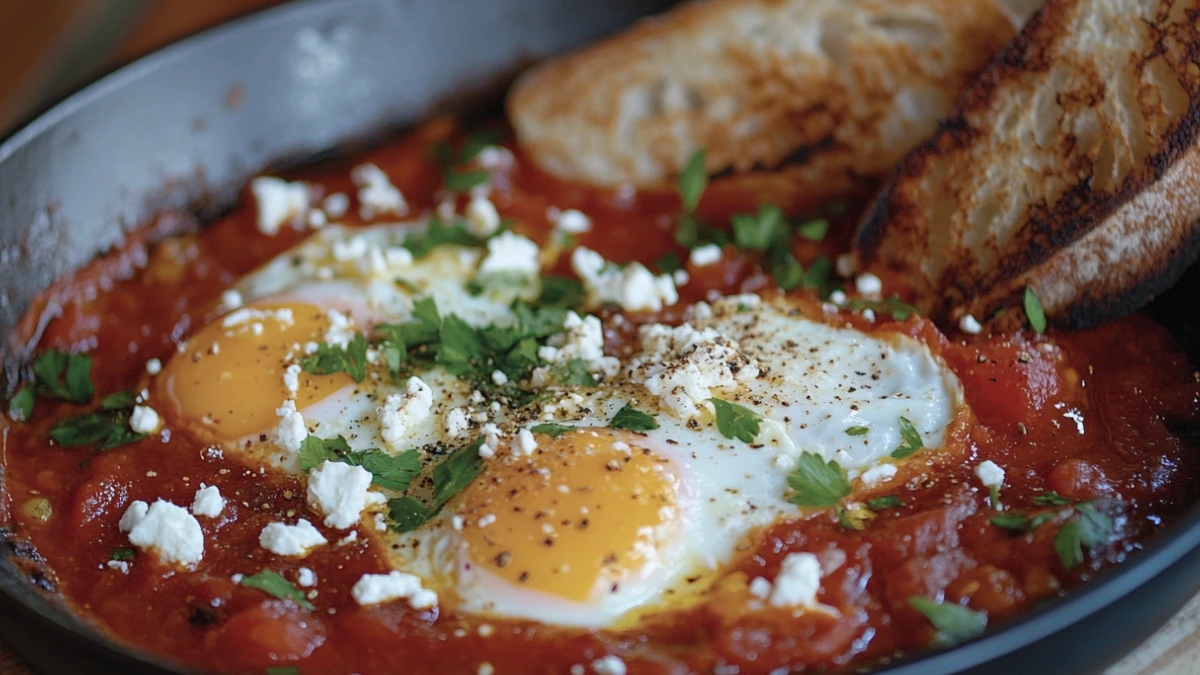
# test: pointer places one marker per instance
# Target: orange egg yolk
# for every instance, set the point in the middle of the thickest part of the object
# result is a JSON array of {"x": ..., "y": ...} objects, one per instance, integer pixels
[
  {"x": 229, "y": 381},
  {"x": 579, "y": 515}
]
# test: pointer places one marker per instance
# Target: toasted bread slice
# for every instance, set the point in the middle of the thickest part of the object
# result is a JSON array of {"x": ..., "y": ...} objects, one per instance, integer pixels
[
  {"x": 1070, "y": 167},
  {"x": 799, "y": 97}
]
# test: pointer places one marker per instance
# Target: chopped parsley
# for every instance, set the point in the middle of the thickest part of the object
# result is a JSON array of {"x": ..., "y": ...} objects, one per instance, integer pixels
[
  {"x": 1088, "y": 529},
  {"x": 856, "y": 431},
  {"x": 954, "y": 623},
  {"x": 897, "y": 308},
  {"x": 273, "y": 584},
  {"x": 669, "y": 263},
  {"x": 813, "y": 230},
  {"x": 20, "y": 406},
  {"x": 818, "y": 483},
  {"x": 1034, "y": 311},
  {"x": 819, "y": 276},
  {"x": 551, "y": 429},
  {"x": 692, "y": 181},
  {"x": 1050, "y": 499},
  {"x": 786, "y": 270},
  {"x": 450, "y": 476},
  {"x": 63, "y": 376},
  {"x": 455, "y": 177},
  {"x": 563, "y": 292},
  {"x": 760, "y": 231},
  {"x": 123, "y": 554},
  {"x": 330, "y": 359},
  {"x": 283, "y": 670},
  {"x": 912, "y": 439},
  {"x": 573, "y": 373},
  {"x": 1020, "y": 522},
  {"x": 392, "y": 472},
  {"x": 439, "y": 233},
  {"x": 885, "y": 502},
  {"x": 107, "y": 427},
  {"x": 631, "y": 419},
  {"x": 690, "y": 231},
  {"x": 735, "y": 421}
]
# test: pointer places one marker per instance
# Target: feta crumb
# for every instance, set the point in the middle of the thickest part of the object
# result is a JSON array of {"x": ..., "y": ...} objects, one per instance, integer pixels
[
  {"x": 525, "y": 443},
  {"x": 495, "y": 157},
  {"x": 290, "y": 432},
  {"x": 511, "y": 253},
  {"x": 291, "y": 378},
  {"x": 609, "y": 665},
  {"x": 341, "y": 492},
  {"x": 245, "y": 315},
  {"x": 632, "y": 287},
  {"x": 798, "y": 581},
  {"x": 486, "y": 451},
  {"x": 499, "y": 378},
  {"x": 703, "y": 256},
  {"x": 122, "y": 565},
  {"x": 316, "y": 219},
  {"x": 306, "y": 578},
  {"x": 573, "y": 221},
  {"x": 869, "y": 315},
  {"x": 845, "y": 265},
  {"x": 583, "y": 339},
  {"x": 278, "y": 202},
  {"x": 578, "y": 669},
  {"x": 144, "y": 420},
  {"x": 760, "y": 588},
  {"x": 878, "y": 474},
  {"x": 375, "y": 588},
  {"x": 485, "y": 669},
  {"x": 868, "y": 284},
  {"x": 970, "y": 325},
  {"x": 297, "y": 539},
  {"x": 376, "y": 194},
  {"x": 231, "y": 299},
  {"x": 838, "y": 298},
  {"x": 153, "y": 367},
  {"x": 456, "y": 422},
  {"x": 487, "y": 520},
  {"x": 398, "y": 256},
  {"x": 681, "y": 364},
  {"x": 401, "y": 413},
  {"x": 169, "y": 530},
  {"x": 336, "y": 205},
  {"x": 990, "y": 473},
  {"x": 341, "y": 329},
  {"x": 208, "y": 501},
  {"x": 482, "y": 217},
  {"x": 680, "y": 277}
]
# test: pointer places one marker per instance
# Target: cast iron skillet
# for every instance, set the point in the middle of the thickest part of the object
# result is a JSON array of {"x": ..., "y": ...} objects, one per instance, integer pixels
[{"x": 185, "y": 127}]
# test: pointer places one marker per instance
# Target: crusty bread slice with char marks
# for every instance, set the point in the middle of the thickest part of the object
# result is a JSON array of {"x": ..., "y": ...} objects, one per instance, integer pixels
[
  {"x": 800, "y": 98},
  {"x": 1071, "y": 167}
]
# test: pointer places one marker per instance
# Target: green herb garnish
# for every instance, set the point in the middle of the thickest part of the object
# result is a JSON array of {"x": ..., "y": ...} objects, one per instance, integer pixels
[
  {"x": 563, "y": 292},
  {"x": 551, "y": 429},
  {"x": 330, "y": 359},
  {"x": 897, "y": 308},
  {"x": 271, "y": 583},
  {"x": 886, "y": 502},
  {"x": 818, "y": 483},
  {"x": 123, "y": 554},
  {"x": 20, "y": 406},
  {"x": 760, "y": 231},
  {"x": 392, "y": 472},
  {"x": 107, "y": 427},
  {"x": 692, "y": 181},
  {"x": 450, "y": 476},
  {"x": 631, "y": 419},
  {"x": 1050, "y": 499},
  {"x": 813, "y": 230},
  {"x": 912, "y": 439},
  {"x": 1034, "y": 311},
  {"x": 954, "y": 623},
  {"x": 67, "y": 377},
  {"x": 856, "y": 431},
  {"x": 735, "y": 421},
  {"x": 1090, "y": 528}
]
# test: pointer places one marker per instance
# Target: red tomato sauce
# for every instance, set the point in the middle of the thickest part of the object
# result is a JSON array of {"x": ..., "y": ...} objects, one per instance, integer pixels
[{"x": 1086, "y": 414}]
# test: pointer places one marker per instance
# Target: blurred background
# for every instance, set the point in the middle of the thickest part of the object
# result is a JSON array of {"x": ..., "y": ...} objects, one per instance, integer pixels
[{"x": 49, "y": 48}]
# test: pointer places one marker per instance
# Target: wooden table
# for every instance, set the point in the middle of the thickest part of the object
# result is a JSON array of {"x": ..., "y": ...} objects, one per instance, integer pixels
[{"x": 31, "y": 30}]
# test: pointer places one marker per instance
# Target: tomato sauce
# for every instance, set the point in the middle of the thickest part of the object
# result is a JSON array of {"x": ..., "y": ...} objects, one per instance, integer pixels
[{"x": 1089, "y": 415}]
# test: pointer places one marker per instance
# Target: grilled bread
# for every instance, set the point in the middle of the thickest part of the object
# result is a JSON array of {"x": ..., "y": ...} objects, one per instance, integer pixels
[
  {"x": 1070, "y": 167},
  {"x": 795, "y": 100}
]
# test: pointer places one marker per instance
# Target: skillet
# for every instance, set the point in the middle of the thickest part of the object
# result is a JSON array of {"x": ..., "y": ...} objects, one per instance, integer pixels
[{"x": 185, "y": 127}]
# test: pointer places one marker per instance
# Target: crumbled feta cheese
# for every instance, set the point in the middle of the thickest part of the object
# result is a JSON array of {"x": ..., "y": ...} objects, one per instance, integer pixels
[
  {"x": 760, "y": 588},
  {"x": 144, "y": 420},
  {"x": 341, "y": 329},
  {"x": 341, "y": 492},
  {"x": 376, "y": 194},
  {"x": 456, "y": 422},
  {"x": 990, "y": 473},
  {"x": 375, "y": 588},
  {"x": 970, "y": 325},
  {"x": 680, "y": 365},
  {"x": 487, "y": 520},
  {"x": 297, "y": 539},
  {"x": 231, "y": 299},
  {"x": 632, "y": 287},
  {"x": 349, "y": 249},
  {"x": 153, "y": 367},
  {"x": 878, "y": 474},
  {"x": 573, "y": 221},
  {"x": 306, "y": 578},
  {"x": 703, "y": 256},
  {"x": 291, "y": 378},
  {"x": 485, "y": 669},
  {"x": 278, "y": 202},
  {"x": 482, "y": 217},
  {"x": 208, "y": 501},
  {"x": 245, "y": 315},
  {"x": 609, "y": 665},
  {"x": 491, "y": 435},
  {"x": 582, "y": 338},
  {"x": 525, "y": 443},
  {"x": 316, "y": 219},
  {"x": 169, "y": 530},
  {"x": 398, "y": 256},
  {"x": 122, "y": 565},
  {"x": 401, "y": 413},
  {"x": 495, "y": 157},
  {"x": 868, "y": 284},
  {"x": 290, "y": 432},
  {"x": 511, "y": 253},
  {"x": 499, "y": 378},
  {"x": 868, "y": 314},
  {"x": 838, "y": 298},
  {"x": 336, "y": 205},
  {"x": 680, "y": 277},
  {"x": 798, "y": 581}
]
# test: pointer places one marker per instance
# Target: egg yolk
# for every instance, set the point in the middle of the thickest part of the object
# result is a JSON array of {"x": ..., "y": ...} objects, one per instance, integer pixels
[
  {"x": 229, "y": 381},
  {"x": 583, "y": 512}
]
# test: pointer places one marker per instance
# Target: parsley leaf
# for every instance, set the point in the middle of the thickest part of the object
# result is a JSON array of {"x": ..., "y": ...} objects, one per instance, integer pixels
[
  {"x": 1090, "y": 528},
  {"x": 20, "y": 406},
  {"x": 393, "y": 472},
  {"x": 1034, "y": 311},
  {"x": 735, "y": 421},
  {"x": 439, "y": 233},
  {"x": 1020, "y": 522},
  {"x": 692, "y": 181},
  {"x": 818, "y": 483},
  {"x": 760, "y": 231},
  {"x": 551, "y": 429},
  {"x": 819, "y": 276},
  {"x": 574, "y": 373},
  {"x": 462, "y": 181},
  {"x": 912, "y": 439},
  {"x": 899, "y": 309},
  {"x": 329, "y": 359},
  {"x": 886, "y": 502},
  {"x": 282, "y": 670},
  {"x": 123, "y": 554},
  {"x": 107, "y": 427},
  {"x": 669, "y": 263},
  {"x": 64, "y": 376},
  {"x": 1050, "y": 499},
  {"x": 557, "y": 291},
  {"x": 455, "y": 178},
  {"x": 631, "y": 419},
  {"x": 788, "y": 273},
  {"x": 856, "y": 431},
  {"x": 271, "y": 583},
  {"x": 813, "y": 230},
  {"x": 456, "y": 472},
  {"x": 953, "y": 622}
]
